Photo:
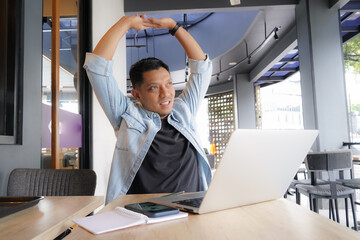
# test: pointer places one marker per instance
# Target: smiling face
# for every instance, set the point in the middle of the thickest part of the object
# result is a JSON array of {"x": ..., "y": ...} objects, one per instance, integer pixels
[{"x": 156, "y": 93}]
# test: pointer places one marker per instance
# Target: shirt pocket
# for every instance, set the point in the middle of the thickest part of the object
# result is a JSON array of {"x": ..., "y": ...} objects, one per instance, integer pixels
[
  {"x": 130, "y": 133},
  {"x": 133, "y": 124}
]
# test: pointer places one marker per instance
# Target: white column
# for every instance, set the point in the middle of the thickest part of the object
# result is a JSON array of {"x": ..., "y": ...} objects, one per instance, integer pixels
[
  {"x": 322, "y": 73},
  {"x": 244, "y": 102},
  {"x": 105, "y": 14}
]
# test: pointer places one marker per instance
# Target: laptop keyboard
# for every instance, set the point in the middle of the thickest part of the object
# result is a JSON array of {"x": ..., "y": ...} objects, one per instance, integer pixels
[{"x": 194, "y": 202}]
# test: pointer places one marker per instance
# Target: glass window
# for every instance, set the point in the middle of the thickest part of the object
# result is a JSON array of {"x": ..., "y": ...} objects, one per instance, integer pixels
[
  {"x": 352, "y": 77},
  {"x": 281, "y": 105},
  {"x": 70, "y": 119},
  {"x": 10, "y": 72}
]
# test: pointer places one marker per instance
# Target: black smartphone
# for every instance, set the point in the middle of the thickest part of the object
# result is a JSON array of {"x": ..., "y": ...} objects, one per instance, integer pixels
[{"x": 152, "y": 210}]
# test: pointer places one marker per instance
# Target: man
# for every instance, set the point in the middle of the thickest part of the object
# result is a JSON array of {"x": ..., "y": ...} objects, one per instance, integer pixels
[{"x": 157, "y": 148}]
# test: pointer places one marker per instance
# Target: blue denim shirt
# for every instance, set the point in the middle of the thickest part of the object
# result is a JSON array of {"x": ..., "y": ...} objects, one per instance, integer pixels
[{"x": 136, "y": 127}]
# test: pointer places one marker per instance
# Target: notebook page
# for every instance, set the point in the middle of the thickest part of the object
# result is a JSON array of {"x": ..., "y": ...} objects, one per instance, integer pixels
[{"x": 110, "y": 221}]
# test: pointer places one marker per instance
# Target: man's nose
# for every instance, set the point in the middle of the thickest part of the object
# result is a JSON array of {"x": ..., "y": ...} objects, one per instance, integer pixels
[{"x": 164, "y": 92}]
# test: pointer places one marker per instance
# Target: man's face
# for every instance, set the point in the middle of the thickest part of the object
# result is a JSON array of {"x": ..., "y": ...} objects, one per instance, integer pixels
[{"x": 157, "y": 92}]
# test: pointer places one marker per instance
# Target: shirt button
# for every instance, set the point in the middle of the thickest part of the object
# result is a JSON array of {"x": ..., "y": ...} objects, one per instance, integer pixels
[
  {"x": 154, "y": 115},
  {"x": 139, "y": 160}
]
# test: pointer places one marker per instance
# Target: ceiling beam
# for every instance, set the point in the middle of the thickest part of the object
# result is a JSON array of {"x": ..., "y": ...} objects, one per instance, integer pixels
[
  {"x": 293, "y": 59},
  {"x": 155, "y": 6},
  {"x": 349, "y": 36},
  {"x": 348, "y": 15},
  {"x": 352, "y": 6},
  {"x": 350, "y": 28},
  {"x": 272, "y": 78},
  {"x": 284, "y": 45},
  {"x": 337, "y": 4},
  {"x": 283, "y": 69},
  {"x": 266, "y": 81},
  {"x": 285, "y": 63}
]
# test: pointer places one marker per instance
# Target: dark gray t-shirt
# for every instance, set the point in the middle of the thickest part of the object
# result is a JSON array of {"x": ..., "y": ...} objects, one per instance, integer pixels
[{"x": 170, "y": 165}]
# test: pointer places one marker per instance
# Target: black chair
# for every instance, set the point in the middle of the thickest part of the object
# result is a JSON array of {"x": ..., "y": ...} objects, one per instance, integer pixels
[
  {"x": 329, "y": 162},
  {"x": 46, "y": 161},
  {"x": 306, "y": 181},
  {"x": 352, "y": 182},
  {"x": 291, "y": 189},
  {"x": 69, "y": 159},
  {"x": 51, "y": 182}
]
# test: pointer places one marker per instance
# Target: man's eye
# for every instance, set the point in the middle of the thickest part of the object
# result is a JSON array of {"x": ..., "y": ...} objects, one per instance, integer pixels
[
  {"x": 170, "y": 83},
  {"x": 153, "y": 88}
]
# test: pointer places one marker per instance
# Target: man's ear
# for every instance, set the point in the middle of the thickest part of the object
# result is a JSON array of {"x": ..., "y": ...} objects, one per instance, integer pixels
[{"x": 135, "y": 94}]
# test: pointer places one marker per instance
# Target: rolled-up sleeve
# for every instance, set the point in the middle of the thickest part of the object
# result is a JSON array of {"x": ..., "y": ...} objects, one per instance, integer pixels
[
  {"x": 112, "y": 100},
  {"x": 199, "y": 80},
  {"x": 199, "y": 66},
  {"x": 99, "y": 65}
]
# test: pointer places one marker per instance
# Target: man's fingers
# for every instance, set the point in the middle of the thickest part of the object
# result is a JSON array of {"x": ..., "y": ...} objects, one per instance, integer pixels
[
  {"x": 154, "y": 20},
  {"x": 156, "y": 23}
]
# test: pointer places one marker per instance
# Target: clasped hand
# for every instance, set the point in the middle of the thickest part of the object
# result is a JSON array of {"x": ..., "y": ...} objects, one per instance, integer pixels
[{"x": 141, "y": 22}]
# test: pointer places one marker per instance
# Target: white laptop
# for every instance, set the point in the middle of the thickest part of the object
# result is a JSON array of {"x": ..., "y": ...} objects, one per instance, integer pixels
[{"x": 257, "y": 166}]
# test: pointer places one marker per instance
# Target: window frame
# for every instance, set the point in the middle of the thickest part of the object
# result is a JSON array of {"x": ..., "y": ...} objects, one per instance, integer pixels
[{"x": 12, "y": 72}]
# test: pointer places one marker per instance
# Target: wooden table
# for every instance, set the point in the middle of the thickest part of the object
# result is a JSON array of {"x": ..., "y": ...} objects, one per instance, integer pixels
[
  {"x": 49, "y": 218},
  {"x": 278, "y": 219}
]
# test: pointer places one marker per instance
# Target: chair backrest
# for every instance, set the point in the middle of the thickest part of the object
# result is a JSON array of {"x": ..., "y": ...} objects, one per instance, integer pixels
[
  {"x": 329, "y": 161},
  {"x": 46, "y": 161},
  {"x": 51, "y": 182}
]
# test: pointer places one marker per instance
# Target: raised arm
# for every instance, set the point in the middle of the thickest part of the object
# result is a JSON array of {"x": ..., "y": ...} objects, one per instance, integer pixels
[
  {"x": 99, "y": 69},
  {"x": 108, "y": 43},
  {"x": 191, "y": 47}
]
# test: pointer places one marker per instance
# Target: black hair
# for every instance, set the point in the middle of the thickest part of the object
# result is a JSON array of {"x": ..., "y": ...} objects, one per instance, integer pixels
[{"x": 144, "y": 65}]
